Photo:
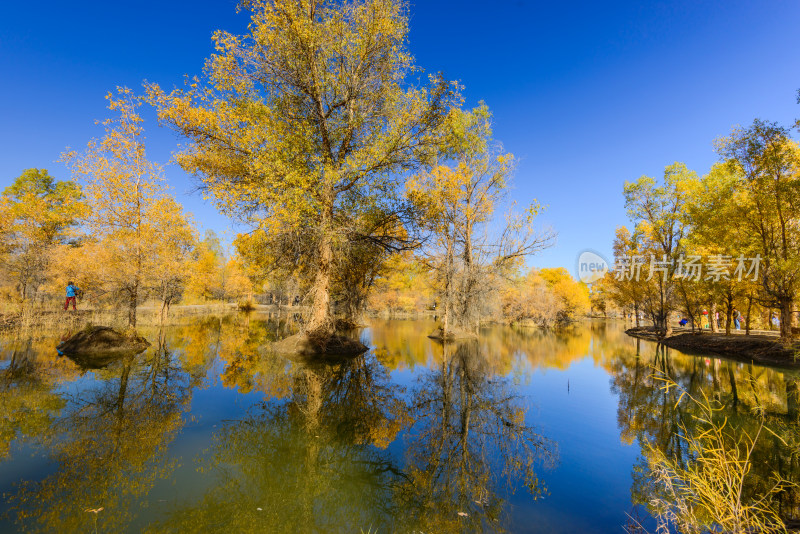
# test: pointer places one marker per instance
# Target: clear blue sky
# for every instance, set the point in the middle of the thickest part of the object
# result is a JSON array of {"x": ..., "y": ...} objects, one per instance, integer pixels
[{"x": 586, "y": 95}]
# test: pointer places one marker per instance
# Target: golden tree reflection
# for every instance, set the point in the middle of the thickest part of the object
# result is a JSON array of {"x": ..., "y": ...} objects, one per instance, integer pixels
[
  {"x": 470, "y": 446},
  {"x": 28, "y": 405},
  {"x": 655, "y": 416},
  {"x": 109, "y": 445},
  {"x": 403, "y": 344},
  {"x": 314, "y": 462}
]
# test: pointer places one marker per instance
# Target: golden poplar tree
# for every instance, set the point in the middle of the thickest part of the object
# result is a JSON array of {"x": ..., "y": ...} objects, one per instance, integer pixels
[
  {"x": 458, "y": 199},
  {"x": 308, "y": 115},
  {"x": 38, "y": 214},
  {"x": 133, "y": 222},
  {"x": 658, "y": 211},
  {"x": 765, "y": 203}
]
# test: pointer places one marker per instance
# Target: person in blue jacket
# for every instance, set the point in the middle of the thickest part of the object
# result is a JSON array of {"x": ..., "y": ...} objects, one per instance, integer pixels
[{"x": 72, "y": 291}]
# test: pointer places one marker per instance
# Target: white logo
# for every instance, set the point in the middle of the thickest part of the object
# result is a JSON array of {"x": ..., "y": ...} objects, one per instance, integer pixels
[{"x": 591, "y": 267}]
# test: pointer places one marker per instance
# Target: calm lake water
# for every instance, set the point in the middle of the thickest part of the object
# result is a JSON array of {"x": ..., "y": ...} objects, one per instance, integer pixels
[{"x": 522, "y": 431}]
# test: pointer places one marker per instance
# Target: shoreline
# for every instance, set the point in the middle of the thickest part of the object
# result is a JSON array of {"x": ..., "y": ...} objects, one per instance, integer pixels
[{"x": 756, "y": 349}]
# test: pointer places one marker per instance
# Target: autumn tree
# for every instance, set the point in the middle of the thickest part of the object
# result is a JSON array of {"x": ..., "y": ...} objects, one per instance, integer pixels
[
  {"x": 379, "y": 235},
  {"x": 172, "y": 253},
  {"x": 403, "y": 285},
  {"x": 238, "y": 283},
  {"x": 458, "y": 199},
  {"x": 765, "y": 204},
  {"x": 600, "y": 299},
  {"x": 307, "y": 115},
  {"x": 207, "y": 279},
  {"x": 572, "y": 295},
  {"x": 623, "y": 287},
  {"x": 38, "y": 214},
  {"x": 717, "y": 236},
  {"x": 657, "y": 210},
  {"x": 131, "y": 218},
  {"x": 529, "y": 299}
]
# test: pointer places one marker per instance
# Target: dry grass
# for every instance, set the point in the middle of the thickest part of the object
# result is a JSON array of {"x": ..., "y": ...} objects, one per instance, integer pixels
[
  {"x": 707, "y": 494},
  {"x": 31, "y": 318}
]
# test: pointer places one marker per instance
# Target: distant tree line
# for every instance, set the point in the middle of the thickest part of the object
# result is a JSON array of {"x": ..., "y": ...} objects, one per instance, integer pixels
[{"x": 746, "y": 207}]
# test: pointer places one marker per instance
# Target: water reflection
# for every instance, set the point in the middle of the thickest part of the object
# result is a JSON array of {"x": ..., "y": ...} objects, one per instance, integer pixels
[
  {"x": 410, "y": 436},
  {"x": 403, "y": 344},
  {"x": 109, "y": 444},
  {"x": 313, "y": 462},
  {"x": 27, "y": 400},
  {"x": 470, "y": 445},
  {"x": 650, "y": 414}
]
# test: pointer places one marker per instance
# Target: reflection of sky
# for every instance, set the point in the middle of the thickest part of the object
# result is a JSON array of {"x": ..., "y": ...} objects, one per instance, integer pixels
[
  {"x": 590, "y": 487},
  {"x": 568, "y": 394}
]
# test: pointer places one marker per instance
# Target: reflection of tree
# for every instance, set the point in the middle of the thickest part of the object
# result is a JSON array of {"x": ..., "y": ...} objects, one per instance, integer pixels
[
  {"x": 28, "y": 405},
  {"x": 311, "y": 463},
  {"x": 404, "y": 344},
  {"x": 109, "y": 445},
  {"x": 401, "y": 344},
  {"x": 242, "y": 350},
  {"x": 238, "y": 342},
  {"x": 651, "y": 414},
  {"x": 470, "y": 436}
]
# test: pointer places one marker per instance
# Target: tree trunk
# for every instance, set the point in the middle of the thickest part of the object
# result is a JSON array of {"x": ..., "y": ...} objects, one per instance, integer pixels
[
  {"x": 728, "y": 318},
  {"x": 468, "y": 321},
  {"x": 713, "y": 318},
  {"x": 321, "y": 322},
  {"x": 636, "y": 313},
  {"x": 134, "y": 299},
  {"x": 165, "y": 303},
  {"x": 747, "y": 318},
  {"x": 667, "y": 324},
  {"x": 448, "y": 289},
  {"x": 786, "y": 319}
]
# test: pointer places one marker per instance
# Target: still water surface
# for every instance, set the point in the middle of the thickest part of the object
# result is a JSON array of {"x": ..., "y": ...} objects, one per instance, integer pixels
[{"x": 522, "y": 431}]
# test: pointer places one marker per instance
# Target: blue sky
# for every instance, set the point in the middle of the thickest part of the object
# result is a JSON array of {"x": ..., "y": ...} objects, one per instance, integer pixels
[{"x": 586, "y": 95}]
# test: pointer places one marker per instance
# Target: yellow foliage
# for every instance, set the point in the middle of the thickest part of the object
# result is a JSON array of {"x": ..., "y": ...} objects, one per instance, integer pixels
[
  {"x": 140, "y": 235},
  {"x": 306, "y": 119},
  {"x": 573, "y": 295}
]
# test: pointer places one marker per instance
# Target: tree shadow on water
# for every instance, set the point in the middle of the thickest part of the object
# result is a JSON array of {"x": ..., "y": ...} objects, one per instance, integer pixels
[
  {"x": 108, "y": 447},
  {"x": 471, "y": 446}
]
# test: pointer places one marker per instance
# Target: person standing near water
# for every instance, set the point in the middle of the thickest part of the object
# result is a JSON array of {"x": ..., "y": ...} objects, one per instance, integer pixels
[{"x": 72, "y": 291}]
